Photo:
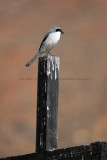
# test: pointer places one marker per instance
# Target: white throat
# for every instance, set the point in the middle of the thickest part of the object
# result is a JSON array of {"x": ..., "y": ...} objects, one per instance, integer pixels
[{"x": 55, "y": 37}]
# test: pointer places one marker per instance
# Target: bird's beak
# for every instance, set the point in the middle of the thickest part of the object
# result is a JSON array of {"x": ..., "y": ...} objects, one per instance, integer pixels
[{"x": 62, "y": 32}]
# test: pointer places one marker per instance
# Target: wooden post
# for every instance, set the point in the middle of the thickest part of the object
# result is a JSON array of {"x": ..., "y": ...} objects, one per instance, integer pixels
[
  {"x": 47, "y": 108},
  {"x": 47, "y": 103}
]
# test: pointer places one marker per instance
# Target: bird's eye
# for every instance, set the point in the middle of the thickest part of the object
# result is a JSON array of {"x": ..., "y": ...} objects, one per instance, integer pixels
[{"x": 58, "y": 30}]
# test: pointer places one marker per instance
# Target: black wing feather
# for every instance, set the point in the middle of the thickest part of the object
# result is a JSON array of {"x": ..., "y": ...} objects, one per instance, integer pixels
[{"x": 45, "y": 37}]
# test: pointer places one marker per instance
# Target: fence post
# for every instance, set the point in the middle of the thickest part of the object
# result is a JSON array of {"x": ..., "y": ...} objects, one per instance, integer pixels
[{"x": 47, "y": 103}]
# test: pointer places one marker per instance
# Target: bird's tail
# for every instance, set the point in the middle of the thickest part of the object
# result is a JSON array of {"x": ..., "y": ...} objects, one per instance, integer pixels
[{"x": 33, "y": 59}]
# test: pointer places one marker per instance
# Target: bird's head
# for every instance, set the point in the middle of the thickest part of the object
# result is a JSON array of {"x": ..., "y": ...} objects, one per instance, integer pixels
[{"x": 56, "y": 29}]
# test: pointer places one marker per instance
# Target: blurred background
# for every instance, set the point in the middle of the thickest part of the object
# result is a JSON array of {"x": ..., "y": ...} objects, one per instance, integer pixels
[{"x": 82, "y": 116}]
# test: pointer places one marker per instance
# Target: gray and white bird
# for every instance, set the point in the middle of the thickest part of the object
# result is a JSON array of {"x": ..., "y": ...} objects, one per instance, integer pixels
[{"x": 49, "y": 42}]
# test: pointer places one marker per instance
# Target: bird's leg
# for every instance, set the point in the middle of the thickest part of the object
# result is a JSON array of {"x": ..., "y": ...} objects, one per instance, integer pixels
[{"x": 49, "y": 53}]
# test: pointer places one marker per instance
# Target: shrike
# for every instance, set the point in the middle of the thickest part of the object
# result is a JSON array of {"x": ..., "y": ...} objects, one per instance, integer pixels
[{"x": 49, "y": 42}]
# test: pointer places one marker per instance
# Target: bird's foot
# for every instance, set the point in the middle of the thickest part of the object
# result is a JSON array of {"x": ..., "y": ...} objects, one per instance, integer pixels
[{"x": 49, "y": 53}]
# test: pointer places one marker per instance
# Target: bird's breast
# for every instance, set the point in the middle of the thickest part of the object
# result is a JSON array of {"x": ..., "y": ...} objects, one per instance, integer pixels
[
  {"x": 53, "y": 40},
  {"x": 54, "y": 37}
]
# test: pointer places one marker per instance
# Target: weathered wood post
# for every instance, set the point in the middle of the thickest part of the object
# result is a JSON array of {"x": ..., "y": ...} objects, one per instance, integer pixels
[
  {"x": 47, "y": 108},
  {"x": 47, "y": 103}
]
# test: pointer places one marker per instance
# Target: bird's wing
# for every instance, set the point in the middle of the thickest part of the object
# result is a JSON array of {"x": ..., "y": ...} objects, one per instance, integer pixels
[{"x": 45, "y": 37}]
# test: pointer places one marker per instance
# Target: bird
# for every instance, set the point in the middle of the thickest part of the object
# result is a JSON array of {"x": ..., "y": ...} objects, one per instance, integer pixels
[{"x": 48, "y": 43}]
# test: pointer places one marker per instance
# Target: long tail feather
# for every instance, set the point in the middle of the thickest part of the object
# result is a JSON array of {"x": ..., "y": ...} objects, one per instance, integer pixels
[{"x": 33, "y": 59}]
